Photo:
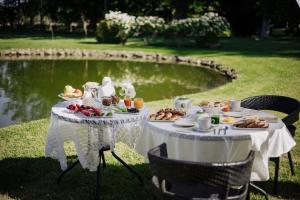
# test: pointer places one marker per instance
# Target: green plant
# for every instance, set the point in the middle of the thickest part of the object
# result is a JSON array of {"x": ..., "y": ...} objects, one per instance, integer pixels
[
  {"x": 108, "y": 33},
  {"x": 115, "y": 28},
  {"x": 149, "y": 26}
]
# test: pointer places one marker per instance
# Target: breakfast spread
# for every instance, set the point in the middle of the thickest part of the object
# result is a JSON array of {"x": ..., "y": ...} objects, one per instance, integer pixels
[
  {"x": 251, "y": 123},
  {"x": 167, "y": 114}
]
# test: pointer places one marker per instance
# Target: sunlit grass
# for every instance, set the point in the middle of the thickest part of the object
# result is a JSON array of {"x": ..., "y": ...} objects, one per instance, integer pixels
[{"x": 263, "y": 66}]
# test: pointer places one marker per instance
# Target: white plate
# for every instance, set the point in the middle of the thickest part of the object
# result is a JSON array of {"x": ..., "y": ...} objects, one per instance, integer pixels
[
  {"x": 254, "y": 129},
  {"x": 233, "y": 114},
  {"x": 203, "y": 130},
  {"x": 128, "y": 113},
  {"x": 61, "y": 95},
  {"x": 184, "y": 122},
  {"x": 160, "y": 121}
]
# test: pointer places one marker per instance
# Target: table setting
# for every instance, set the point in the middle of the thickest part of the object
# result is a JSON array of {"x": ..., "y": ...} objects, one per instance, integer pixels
[
  {"x": 93, "y": 119},
  {"x": 216, "y": 131}
]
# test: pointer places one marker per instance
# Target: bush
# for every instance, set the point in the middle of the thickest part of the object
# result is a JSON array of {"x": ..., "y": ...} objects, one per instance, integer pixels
[
  {"x": 115, "y": 28},
  {"x": 205, "y": 30},
  {"x": 149, "y": 26},
  {"x": 108, "y": 33}
]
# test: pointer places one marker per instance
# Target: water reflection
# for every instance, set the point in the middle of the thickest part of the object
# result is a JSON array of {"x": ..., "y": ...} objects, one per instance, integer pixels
[{"x": 28, "y": 89}]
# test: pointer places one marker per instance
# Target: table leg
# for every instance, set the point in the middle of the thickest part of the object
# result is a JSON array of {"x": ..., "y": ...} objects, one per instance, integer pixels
[
  {"x": 98, "y": 176},
  {"x": 67, "y": 170},
  {"x": 128, "y": 167},
  {"x": 103, "y": 159}
]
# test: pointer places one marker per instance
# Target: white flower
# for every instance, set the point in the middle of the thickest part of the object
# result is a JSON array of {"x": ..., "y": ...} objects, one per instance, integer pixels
[{"x": 128, "y": 89}]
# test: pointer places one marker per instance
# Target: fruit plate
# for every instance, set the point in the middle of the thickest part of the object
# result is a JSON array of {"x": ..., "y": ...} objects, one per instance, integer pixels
[
  {"x": 61, "y": 95},
  {"x": 184, "y": 122}
]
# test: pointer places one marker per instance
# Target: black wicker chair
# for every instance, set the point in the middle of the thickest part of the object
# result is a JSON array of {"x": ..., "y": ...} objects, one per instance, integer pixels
[
  {"x": 177, "y": 180},
  {"x": 286, "y": 105}
]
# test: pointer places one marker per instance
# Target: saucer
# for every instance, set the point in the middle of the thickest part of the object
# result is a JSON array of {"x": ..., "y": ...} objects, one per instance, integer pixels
[
  {"x": 233, "y": 114},
  {"x": 184, "y": 122},
  {"x": 203, "y": 130}
]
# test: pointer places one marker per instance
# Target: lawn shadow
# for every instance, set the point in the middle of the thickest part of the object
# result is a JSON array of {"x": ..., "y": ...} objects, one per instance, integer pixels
[
  {"x": 284, "y": 191},
  {"x": 35, "y": 178}
]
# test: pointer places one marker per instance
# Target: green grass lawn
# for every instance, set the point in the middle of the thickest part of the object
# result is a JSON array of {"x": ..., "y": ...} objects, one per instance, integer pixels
[{"x": 264, "y": 67}]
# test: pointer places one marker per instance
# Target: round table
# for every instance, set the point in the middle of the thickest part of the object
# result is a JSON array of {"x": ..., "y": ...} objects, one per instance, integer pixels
[
  {"x": 187, "y": 144},
  {"x": 89, "y": 134}
]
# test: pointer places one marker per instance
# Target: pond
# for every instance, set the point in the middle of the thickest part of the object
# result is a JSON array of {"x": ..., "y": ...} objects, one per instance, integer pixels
[{"x": 29, "y": 88}]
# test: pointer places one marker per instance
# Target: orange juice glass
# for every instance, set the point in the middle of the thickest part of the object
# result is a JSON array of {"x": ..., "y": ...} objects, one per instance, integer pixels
[
  {"x": 138, "y": 103},
  {"x": 127, "y": 102}
]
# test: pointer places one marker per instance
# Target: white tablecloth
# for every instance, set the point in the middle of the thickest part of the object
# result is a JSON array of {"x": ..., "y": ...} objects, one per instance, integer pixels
[
  {"x": 89, "y": 134},
  {"x": 235, "y": 145}
]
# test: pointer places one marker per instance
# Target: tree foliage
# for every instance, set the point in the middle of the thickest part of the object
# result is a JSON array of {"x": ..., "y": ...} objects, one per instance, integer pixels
[{"x": 247, "y": 17}]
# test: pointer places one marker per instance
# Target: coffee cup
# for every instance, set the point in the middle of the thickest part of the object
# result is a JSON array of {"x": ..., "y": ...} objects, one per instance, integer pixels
[
  {"x": 235, "y": 105},
  {"x": 204, "y": 122}
]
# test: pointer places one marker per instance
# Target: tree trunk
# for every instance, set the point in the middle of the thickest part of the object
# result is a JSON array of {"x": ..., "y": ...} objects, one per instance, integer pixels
[{"x": 265, "y": 28}]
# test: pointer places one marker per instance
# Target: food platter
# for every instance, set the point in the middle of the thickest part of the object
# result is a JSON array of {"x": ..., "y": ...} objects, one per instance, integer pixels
[
  {"x": 237, "y": 128},
  {"x": 167, "y": 114},
  {"x": 251, "y": 124}
]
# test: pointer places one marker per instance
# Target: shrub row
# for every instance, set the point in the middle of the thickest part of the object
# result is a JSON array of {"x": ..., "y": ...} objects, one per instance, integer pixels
[{"x": 117, "y": 27}]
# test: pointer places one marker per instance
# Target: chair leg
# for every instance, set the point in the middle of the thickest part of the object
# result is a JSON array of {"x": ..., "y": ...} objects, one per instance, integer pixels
[
  {"x": 291, "y": 163},
  {"x": 248, "y": 193},
  {"x": 252, "y": 185},
  {"x": 277, "y": 162}
]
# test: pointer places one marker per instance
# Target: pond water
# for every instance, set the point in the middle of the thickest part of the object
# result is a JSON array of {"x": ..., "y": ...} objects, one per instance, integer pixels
[{"x": 29, "y": 88}]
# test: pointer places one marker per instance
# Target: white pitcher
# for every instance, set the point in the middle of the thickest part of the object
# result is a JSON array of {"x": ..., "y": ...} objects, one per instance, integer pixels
[{"x": 183, "y": 103}]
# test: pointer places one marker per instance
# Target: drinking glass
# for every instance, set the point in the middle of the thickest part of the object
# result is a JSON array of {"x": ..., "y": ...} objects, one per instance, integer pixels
[
  {"x": 138, "y": 103},
  {"x": 127, "y": 102}
]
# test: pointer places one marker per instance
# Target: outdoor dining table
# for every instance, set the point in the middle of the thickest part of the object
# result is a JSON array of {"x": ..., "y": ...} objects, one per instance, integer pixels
[
  {"x": 91, "y": 136},
  {"x": 188, "y": 144}
]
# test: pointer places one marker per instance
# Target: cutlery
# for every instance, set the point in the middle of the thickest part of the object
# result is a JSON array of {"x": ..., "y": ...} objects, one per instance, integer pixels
[{"x": 226, "y": 128}]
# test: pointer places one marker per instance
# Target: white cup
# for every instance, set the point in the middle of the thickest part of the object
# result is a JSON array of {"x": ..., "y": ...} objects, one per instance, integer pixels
[
  {"x": 235, "y": 105},
  {"x": 204, "y": 122}
]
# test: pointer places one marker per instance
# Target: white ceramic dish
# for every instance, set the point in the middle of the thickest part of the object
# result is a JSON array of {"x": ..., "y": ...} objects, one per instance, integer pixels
[
  {"x": 197, "y": 129},
  {"x": 184, "y": 122},
  {"x": 233, "y": 114},
  {"x": 253, "y": 129},
  {"x": 61, "y": 95},
  {"x": 160, "y": 121},
  {"x": 128, "y": 113}
]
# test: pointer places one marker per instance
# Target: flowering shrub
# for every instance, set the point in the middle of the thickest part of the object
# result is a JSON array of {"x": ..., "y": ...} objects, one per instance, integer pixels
[
  {"x": 204, "y": 29},
  {"x": 115, "y": 28},
  {"x": 148, "y": 26}
]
